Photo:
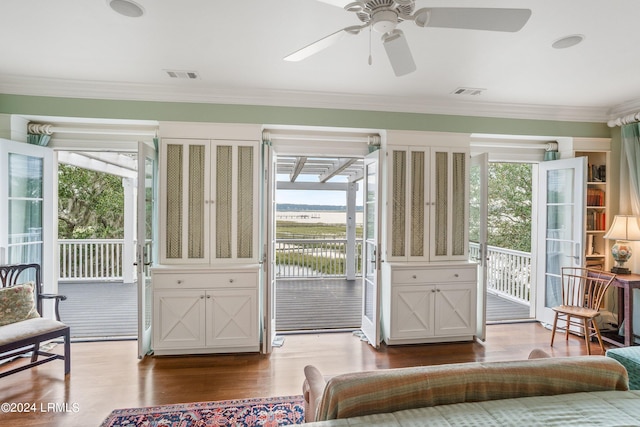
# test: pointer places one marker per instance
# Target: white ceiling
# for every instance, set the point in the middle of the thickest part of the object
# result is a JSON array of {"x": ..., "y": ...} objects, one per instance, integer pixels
[{"x": 82, "y": 48}]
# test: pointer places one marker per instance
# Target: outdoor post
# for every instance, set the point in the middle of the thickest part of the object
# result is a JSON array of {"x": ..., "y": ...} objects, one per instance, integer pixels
[
  {"x": 350, "y": 269},
  {"x": 129, "y": 247}
]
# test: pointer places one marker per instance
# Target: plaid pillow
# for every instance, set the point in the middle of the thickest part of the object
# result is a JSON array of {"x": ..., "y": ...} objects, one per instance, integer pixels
[{"x": 17, "y": 303}]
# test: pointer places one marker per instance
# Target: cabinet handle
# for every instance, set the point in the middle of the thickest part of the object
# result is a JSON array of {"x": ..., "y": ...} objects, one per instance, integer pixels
[
  {"x": 433, "y": 291},
  {"x": 201, "y": 296},
  {"x": 456, "y": 275},
  {"x": 179, "y": 282},
  {"x": 230, "y": 280},
  {"x": 437, "y": 290},
  {"x": 414, "y": 276},
  {"x": 208, "y": 296}
]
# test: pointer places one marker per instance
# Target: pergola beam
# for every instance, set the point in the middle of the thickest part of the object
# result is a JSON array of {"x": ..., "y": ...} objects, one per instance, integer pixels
[
  {"x": 317, "y": 186},
  {"x": 297, "y": 168},
  {"x": 338, "y": 167}
]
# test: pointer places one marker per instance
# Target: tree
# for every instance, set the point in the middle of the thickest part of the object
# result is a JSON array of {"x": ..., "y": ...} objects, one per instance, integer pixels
[
  {"x": 510, "y": 199},
  {"x": 90, "y": 204}
]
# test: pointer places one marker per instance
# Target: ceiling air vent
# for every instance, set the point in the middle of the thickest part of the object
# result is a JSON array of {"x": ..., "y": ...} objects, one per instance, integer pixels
[
  {"x": 178, "y": 74},
  {"x": 473, "y": 91}
]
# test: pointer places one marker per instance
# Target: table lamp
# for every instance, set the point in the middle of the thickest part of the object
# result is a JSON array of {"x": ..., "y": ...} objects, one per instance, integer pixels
[{"x": 623, "y": 230}]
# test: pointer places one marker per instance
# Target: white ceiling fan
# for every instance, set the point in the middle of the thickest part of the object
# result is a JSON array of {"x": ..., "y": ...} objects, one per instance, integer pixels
[{"x": 385, "y": 15}]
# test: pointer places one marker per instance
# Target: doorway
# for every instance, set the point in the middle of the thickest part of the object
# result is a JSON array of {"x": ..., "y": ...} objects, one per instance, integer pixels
[
  {"x": 502, "y": 242},
  {"x": 338, "y": 151},
  {"x": 318, "y": 243},
  {"x": 112, "y": 148},
  {"x": 96, "y": 244}
]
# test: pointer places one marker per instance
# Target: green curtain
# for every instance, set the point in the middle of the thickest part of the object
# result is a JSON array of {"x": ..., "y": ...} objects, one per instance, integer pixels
[
  {"x": 631, "y": 146},
  {"x": 38, "y": 139}
]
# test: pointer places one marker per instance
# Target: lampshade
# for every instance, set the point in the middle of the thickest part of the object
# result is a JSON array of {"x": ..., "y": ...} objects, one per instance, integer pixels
[{"x": 624, "y": 227}]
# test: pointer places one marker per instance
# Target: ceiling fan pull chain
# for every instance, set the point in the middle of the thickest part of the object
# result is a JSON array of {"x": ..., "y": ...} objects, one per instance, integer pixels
[{"x": 370, "y": 57}]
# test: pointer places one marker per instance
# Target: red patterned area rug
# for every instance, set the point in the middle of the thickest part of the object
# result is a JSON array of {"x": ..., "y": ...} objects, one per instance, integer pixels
[{"x": 267, "y": 412}]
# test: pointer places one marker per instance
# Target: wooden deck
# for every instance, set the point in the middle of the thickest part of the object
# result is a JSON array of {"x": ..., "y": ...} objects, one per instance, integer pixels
[
  {"x": 318, "y": 304},
  {"x": 100, "y": 310},
  {"x": 108, "y": 310}
]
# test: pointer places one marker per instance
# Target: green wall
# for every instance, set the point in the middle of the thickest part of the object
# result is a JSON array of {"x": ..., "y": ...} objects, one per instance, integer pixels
[{"x": 220, "y": 113}]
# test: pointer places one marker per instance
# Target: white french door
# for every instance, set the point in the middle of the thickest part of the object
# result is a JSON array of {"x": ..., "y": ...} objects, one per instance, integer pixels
[
  {"x": 146, "y": 239},
  {"x": 269, "y": 241},
  {"x": 479, "y": 213},
  {"x": 371, "y": 256},
  {"x": 561, "y": 211},
  {"x": 27, "y": 209}
]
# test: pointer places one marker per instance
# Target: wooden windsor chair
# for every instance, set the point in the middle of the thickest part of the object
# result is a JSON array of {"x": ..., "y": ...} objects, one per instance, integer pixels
[{"x": 583, "y": 290}]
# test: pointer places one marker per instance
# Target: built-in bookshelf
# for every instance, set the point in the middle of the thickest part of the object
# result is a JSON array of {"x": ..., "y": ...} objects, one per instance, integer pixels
[{"x": 597, "y": 209}]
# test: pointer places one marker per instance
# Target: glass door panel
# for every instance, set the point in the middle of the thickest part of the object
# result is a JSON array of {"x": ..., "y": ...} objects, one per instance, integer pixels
[
  {"x": 25, "y": 239},
  {"x": 371, "y": 257},
  {"x": 562, "y": 185},
  {"x": 27, "y": 209},
  {"x": 478, "y": 219},
  {"x": 146, "y": 238}
]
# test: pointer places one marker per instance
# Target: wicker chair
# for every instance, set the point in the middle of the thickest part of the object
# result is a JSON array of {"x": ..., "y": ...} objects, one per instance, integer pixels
[{"x": 582, "y": 293}]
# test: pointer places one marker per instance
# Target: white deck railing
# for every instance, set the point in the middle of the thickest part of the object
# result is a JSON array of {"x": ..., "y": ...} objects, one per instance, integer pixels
[
  {"x": 508, "y": 271},
  {"x": 315, "y": 257},
  {"x": 94, "y": 259}
]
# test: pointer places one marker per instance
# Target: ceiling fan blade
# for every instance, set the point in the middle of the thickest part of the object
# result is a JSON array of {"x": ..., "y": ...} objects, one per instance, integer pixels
[
  {"x": 471, "y": 18},
  {"x": 339, "y": 3},
  {"x": 323, "y": 43},
  {"x": 398, "y": 52},
  {"x": 315, "y": 47}
]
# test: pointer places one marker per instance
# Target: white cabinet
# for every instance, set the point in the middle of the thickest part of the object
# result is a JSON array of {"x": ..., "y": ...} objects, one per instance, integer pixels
[
  {"x": 427, "y": 203},
  {"x": 205, "y": 310},
  {"x": 429, "y": 302},
  {"x": 209, "y": 201}
]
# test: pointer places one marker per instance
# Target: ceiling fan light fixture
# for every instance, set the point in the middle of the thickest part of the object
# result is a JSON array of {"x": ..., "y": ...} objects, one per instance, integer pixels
[
  {"x": 126, "y": 8},
  {"x": 384, "y": 21},
  {"x": 397, "y": 48},
  {"x": 568, "y": 41}
]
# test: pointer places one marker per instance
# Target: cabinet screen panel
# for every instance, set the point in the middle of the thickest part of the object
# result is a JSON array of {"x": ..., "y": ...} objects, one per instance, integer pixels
[
  {"x": 245, "y": 202},
  {"x": 223, "y": 200},
  {"x": 442, "y": 203},
  {"x": 399, "y": 191},
  {"x": 458, "y": 220},
  {"x": 195, "y": 228},
  {"x": 416, "y": 235},
  {"x": 174, "y": 201}
]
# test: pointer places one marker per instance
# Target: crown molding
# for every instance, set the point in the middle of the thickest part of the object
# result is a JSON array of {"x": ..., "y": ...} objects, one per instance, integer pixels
[
  {"x": 629, "y": 107},
  {"x": 18, "y": 85}
]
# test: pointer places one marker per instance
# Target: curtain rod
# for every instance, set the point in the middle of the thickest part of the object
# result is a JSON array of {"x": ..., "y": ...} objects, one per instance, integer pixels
[
  {"x": 47, "y": 129},
  {"x": 624, "y": 120},
  {"x": 546, "y": 146},
  {"x": 319, "y": 137}
]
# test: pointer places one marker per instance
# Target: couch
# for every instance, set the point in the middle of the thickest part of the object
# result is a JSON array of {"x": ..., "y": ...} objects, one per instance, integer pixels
[{"x": 584, "y": 390}]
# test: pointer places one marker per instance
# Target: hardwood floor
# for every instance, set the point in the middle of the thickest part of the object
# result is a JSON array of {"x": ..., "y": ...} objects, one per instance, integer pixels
[{"x": 107, "y": 375}]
